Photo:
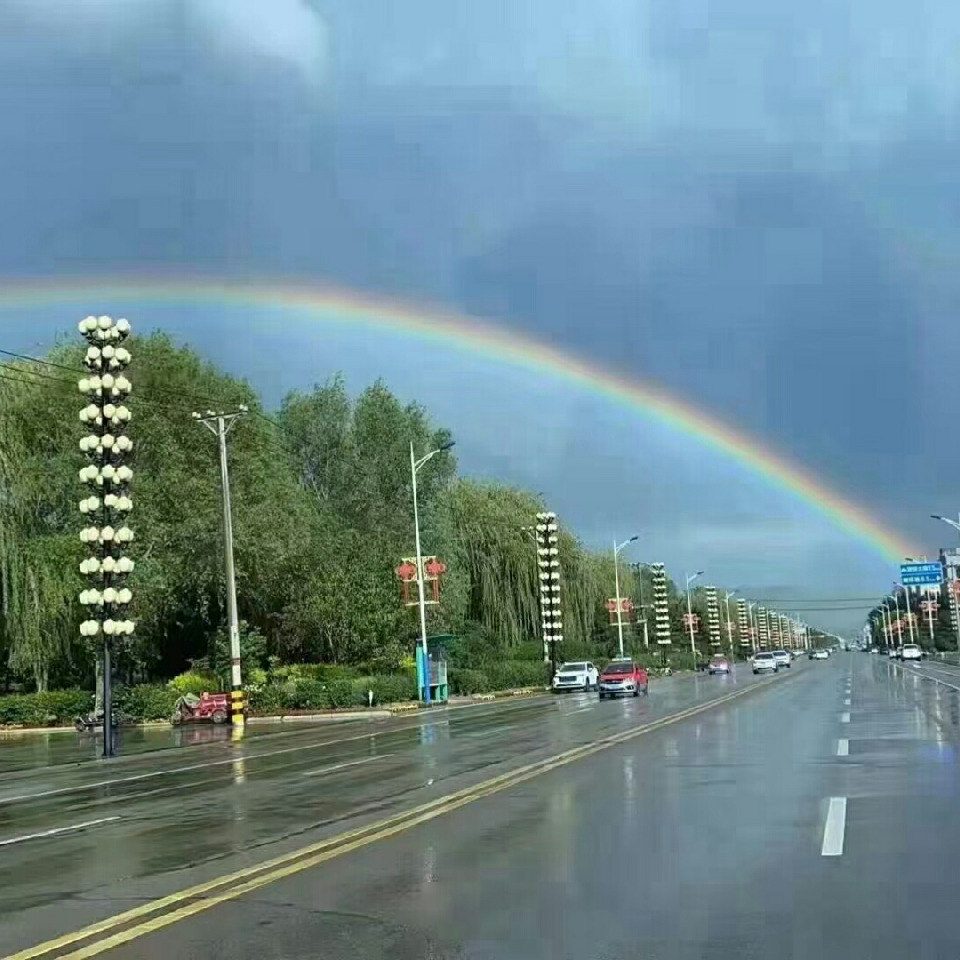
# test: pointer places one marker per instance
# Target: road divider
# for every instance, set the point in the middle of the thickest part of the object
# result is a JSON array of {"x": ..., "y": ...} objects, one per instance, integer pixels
[{"x": 149, "y": 917}]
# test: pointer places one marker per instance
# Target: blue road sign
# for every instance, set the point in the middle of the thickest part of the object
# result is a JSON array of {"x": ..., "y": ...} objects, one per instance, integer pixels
[{"x": 921, "y": 574}]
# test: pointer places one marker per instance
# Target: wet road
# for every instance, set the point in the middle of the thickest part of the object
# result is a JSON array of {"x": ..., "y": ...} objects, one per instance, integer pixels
[{"x": 786, "y": 822}]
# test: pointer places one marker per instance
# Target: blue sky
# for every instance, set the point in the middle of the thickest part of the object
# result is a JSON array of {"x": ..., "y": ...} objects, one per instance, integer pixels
[{"x": 749, "y": 201}]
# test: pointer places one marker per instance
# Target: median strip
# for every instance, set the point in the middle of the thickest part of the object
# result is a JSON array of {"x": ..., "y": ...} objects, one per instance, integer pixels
[{"x": 177, "y": 906}]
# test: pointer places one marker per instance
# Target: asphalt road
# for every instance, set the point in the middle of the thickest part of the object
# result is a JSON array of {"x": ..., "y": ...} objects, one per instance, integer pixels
[{"x": 782, "y": 822}]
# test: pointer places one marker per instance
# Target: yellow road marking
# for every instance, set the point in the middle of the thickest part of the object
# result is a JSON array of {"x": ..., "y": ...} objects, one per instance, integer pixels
[{"x": 304, "y": 858}]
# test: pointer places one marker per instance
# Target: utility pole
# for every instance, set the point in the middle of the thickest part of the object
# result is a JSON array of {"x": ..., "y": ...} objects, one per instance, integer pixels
[{"x": 220, "y": 425}]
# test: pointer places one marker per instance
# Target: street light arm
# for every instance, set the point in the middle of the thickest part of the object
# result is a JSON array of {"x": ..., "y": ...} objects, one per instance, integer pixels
[
  {"x": 620, "y": 546},
  {"x": 419, "y": 463},
  {"x": 953, "y": 523}
]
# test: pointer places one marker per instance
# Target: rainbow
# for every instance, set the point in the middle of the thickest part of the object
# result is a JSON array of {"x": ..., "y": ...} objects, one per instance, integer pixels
[{"x": 338, "y": 306}]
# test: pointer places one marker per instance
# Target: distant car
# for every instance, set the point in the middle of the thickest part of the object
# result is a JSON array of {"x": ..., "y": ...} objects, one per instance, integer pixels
[
  {"x": 874, "y": 649},
  {"x": 764, "y": 663},
  {"x": 818, "y": 655},
  {"x": 623, "y": 677},
  {"x": 578, "y": 675},
  {"x": 794, "y": 654},
  {"x": 782, "y": 658},
  {"x": 893, "y": 654},
  {"x": 911, "y": 651},
  {"x": 718, "y": 664}
]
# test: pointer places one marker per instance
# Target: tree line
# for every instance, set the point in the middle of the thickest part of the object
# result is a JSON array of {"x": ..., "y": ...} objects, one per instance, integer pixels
[{"x": 321, "y": 514}]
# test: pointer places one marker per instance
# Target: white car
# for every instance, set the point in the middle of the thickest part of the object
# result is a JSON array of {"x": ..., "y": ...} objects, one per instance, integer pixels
[
  {"x": 819, "y": 654},
  {"x": 578, "y": 675},
  {"x": 782, "y": 658},
  {"x": 911, "y": 652},
  {"x": 764, "y": 662}
]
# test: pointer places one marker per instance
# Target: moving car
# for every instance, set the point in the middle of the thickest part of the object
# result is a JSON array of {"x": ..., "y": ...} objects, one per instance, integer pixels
[
  {"x": 782, "y": 658},
  {"x": 718, "y": 664},
  {"x": 622, "y": 677},
  {"x": 764, "y": 663},
  {"x": 578, "y": 675},
  {"x": 819, "y": 655},
  {"x": 911, "y": 651}
]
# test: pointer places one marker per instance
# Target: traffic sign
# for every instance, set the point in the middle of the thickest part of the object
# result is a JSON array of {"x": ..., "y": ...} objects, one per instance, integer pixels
[{"x": 920, "y": 574}]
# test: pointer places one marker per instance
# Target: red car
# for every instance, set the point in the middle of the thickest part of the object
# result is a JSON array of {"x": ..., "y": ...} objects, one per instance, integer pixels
[{"x": 623, "y": 677}]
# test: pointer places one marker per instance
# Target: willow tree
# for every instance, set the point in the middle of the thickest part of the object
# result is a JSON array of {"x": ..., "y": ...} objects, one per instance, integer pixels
[
  {"x": 494, "y": 544},
  {"x": 39, "y": 552}
]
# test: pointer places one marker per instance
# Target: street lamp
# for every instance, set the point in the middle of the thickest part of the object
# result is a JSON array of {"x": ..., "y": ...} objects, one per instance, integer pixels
[
  {"x": 415, "y": 466},
  {"x": 726, "y": 603},
  {"x": 617, "y": 547},
  {"x": 693, "y": 646},
  {"x": 106, "y": 416}
]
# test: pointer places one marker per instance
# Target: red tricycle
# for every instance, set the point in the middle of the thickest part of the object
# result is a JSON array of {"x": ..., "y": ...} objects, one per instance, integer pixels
[{"x": 208, "y": 706}]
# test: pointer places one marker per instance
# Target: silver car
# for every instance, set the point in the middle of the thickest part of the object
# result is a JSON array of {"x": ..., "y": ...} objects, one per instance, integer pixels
[{"x": 764, "y": 663}]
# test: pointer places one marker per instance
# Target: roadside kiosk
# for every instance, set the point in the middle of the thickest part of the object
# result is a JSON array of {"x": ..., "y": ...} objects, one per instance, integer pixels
[{"x": 433, "y": 664}]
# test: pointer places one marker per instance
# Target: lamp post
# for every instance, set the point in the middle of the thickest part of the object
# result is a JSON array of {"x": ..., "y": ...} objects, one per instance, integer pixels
[
  {"x": 693, "y": 647},
  {"x": 107, "y": 446},
  {"x": 617, "y": 547},
  {"x": 899, "y": 626},
  {"x": 415, "y": 466},
  {"x": 220, "y": 425},
  {"x": 726, "y": 604}
]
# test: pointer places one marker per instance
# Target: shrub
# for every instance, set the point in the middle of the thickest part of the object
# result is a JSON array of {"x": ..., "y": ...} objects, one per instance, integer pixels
[
  {"x": 464, "y": 682},
  {"x": 194, "y": 681},
  {"x": 44, "y": 709},
  {"x": 340, "y": 693},
  {"x": 145, "y": 701},
  {"x": 387, "y": 688}
]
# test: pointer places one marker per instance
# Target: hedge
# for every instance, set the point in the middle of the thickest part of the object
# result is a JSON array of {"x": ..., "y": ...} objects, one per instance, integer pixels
[{"x": 47, "y": 709}]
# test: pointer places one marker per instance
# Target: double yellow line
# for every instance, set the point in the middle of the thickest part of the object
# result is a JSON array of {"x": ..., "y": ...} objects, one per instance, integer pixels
[{"x": 115, "y": 931}]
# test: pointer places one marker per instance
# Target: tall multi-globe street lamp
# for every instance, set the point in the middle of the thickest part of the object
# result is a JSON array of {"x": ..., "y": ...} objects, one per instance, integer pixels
[
  {"x": 693, "y": 646},
  {"x": 415, "y": 467},
  {"x": 108, "y": 504},
  {"x": 617, "y": 547},
  {"x": 547, "y": 539}
]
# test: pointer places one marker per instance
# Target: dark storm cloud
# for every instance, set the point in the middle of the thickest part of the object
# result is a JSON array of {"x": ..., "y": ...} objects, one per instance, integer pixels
[{"x": 748, "y": 201}]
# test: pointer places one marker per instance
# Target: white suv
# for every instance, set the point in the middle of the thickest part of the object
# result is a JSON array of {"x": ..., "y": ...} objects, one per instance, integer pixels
[
  {"x": 579, "y": 675},
  {"x": 911, "y": 652}
]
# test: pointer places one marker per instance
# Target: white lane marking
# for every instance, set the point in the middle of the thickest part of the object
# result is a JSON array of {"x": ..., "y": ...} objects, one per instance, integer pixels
[
  {"x": 843, "y": 748},
  {"x": 845, "y": 717},
  {"x": 343, "y": 766},
  {"x": 834, "y": 828},
  {"x": 846, "y": 702},
  {"x": 58, "y": 830}
]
